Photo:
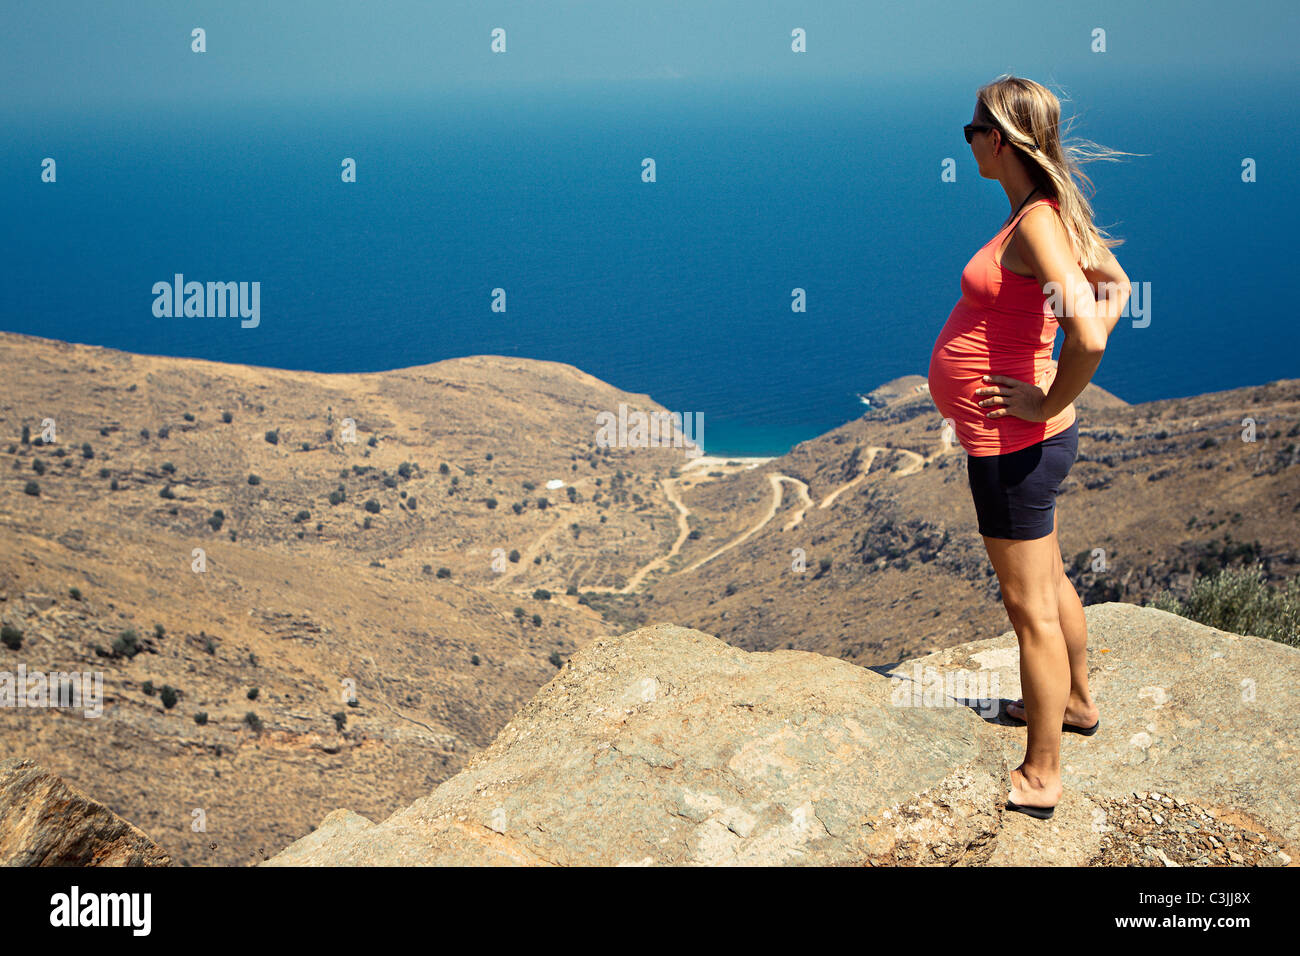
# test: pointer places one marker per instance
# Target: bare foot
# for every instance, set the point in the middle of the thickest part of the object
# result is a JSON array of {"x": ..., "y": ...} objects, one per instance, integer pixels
[
  {"x": 1076, "y": 714},
  {"x": 1034, "y": 790}
]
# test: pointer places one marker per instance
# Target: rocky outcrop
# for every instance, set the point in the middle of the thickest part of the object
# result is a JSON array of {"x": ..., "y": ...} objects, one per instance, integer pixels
[
  {"x": 668, "y": 746},
  {"x": 44, "y": 822}
]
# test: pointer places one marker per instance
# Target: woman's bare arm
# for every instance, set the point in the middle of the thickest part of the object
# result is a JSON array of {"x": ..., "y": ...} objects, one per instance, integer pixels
[
  {"x": 1046, "y": 248},
  {"x": 1112, "y": 290}
]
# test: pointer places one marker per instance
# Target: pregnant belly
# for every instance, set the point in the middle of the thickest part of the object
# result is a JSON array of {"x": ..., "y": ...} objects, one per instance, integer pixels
[{"x": 956, "y": 372}]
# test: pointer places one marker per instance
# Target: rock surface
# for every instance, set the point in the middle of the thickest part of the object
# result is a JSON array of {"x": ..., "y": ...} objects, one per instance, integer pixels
[
  {"x": 1187, "y": 711},
  {"x": 44, "y": 822},
  {"x": 668, "y": 746}
]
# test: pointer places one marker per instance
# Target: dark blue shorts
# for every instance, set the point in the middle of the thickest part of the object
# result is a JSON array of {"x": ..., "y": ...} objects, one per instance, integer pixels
[{"x": 1015, "y": 494}]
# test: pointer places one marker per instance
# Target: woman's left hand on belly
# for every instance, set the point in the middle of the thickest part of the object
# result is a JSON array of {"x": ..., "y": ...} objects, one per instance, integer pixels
[{"x": 1010, "y": 396}]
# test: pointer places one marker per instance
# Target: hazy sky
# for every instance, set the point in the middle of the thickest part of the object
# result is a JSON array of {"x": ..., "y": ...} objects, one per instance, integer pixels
[{"x": 99, "y": 52}]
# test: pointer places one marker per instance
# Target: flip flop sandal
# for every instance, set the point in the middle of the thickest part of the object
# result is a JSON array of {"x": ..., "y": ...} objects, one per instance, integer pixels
[
  {"x": 1041, "y": 813},
  {"x": 1067, "y": 728}
]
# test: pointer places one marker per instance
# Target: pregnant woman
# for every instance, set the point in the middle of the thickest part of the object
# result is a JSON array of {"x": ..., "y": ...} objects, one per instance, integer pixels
[{"x": 988, "y": 372}]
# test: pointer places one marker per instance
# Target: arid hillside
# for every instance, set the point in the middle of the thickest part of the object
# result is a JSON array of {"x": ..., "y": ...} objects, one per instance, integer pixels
[{"x": 288, "y": 620}]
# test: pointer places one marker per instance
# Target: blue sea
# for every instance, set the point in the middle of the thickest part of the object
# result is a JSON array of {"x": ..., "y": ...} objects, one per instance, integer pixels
[{"x": 679, "y": 288}]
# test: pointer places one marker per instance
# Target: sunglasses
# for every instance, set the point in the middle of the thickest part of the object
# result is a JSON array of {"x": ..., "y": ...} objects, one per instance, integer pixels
[{"x": 970, "y": 129}]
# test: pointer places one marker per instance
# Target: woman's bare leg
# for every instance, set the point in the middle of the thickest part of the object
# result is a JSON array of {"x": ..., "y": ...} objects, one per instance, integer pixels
[
  {"x": 1080, "y": 709},
  {"x": 1029, "y": 574}
]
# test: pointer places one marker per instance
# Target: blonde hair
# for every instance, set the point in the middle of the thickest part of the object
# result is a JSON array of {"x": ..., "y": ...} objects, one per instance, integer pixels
[{"x": 1028, "y": 116}]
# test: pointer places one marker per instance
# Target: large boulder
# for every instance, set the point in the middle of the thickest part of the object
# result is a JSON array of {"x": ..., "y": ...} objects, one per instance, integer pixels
[
  {"x": 44, "y": 822},
  {"x": 669, "y": 746},
  {"x": 1199, "y": 717}
]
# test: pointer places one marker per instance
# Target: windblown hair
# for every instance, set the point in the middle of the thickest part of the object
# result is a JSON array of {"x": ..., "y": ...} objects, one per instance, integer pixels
[{"x": 1028, "y": 115}]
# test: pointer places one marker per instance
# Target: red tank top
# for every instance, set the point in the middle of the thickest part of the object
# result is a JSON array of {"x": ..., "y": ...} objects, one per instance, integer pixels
[{"x": 1001, "y": 325}]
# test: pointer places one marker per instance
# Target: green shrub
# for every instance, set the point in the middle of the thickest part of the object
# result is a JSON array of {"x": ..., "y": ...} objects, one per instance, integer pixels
[
  {"x": 444, "y": 572},
  {"x": 11, "y": 637},
  {"x": 474, "y": 660},
  {"x": 340, "y": 720},
  {"x": 32, "y": 488},
  {"x": 491, "y": 503},
  {"x": 147, "y": 687},
  {"x": 86, "y": 450},
  {"x": 253, "y": 721},
  {"x": 188, "y": 416},
  {"x": 442, "y": 469},
  {"x": 27, "y": 435},
  {"x": 38, "y": 466},
  {"x": 166, "y": 492},
  {"x": 168, "y": 467},
  {"x": 404, "y": 469},
  {"x": 272, "y": 437},
  {"x": 254, "y": 480},
  {"x": 302, "y": 516},
  {"x": 1240, "y": 601},
  {"x": 337, "y": 497},
  {"x": 164, "y": 431},
  {"x": 127, "y": 644},
  {"x": 227, "y": 417},
  {"x": 74, "y": 593},
  {"x": 168, "y": 696},
  {"x": 537, "y": 620},
  {"x": 113, "y": 485},
  {"x": 252, "y": 693},
  {"x": 372, "y": 506},
  {"x": 514, "y": 556},
  {"x": 201, "y": 717},
  {"x": 159, "y": 631},
  {"x": 556, "y": 659},
  {"x": 104, "y": 472},
  {"x": 541, "y": 594}
]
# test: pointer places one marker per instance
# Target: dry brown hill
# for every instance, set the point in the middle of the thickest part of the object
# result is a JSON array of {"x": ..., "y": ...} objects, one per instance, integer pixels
[{"x": 300, "y": 608}]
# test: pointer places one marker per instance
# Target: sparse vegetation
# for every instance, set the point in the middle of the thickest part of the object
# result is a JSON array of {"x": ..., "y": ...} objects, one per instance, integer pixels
[
  {"x": 340, "y": 720},
  {"x": 372, "y": 506},
  {"x": 11, "y": 637},
  {"x": 302, "y": 516},
  {"x": 272, "y": 437},
  {"x": 556, "y": 659},
  {"x": 188, "y": 416},
  {"x": 86, "y": 450},
  {"x": 166, "y": 492},
  {"x": 168, "y": 696},
  {"x": 444, "y": 572},
  {"x": 252, "y": 693},
  {"x": 541, "y": 594},
  {"x": 1240, "y": 601},
  {"x": 253, "y": 721},
  {"x": 127, "y": 644},
  {"x": 74, "y": 593},
  {"x": 168, "y": 467},
  {"x": 201, "y": 717},
  {"x": 32, "y": 488},
  {"x": 474, "y": 660},
  {"x": 227, "y": 417},
  {"x": 38, "y": 466},
  {"x": 254, "y": 480}
]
